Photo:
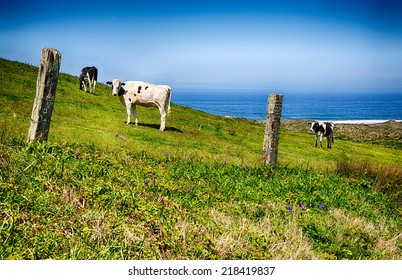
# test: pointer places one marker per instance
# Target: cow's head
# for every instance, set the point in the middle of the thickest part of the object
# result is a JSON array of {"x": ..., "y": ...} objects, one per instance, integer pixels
[
  {"x": 117, "y": 87},
  {"x": 314, "y": 126}
]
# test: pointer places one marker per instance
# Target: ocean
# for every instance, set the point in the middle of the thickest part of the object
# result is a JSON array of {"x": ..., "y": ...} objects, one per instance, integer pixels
[{"x": 339, "y": 108}]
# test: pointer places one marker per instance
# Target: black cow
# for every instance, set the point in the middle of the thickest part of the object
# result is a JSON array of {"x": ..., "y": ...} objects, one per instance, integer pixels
[
  {"x": 89, "y": 75},
  {"x": 323, "y": 129}
]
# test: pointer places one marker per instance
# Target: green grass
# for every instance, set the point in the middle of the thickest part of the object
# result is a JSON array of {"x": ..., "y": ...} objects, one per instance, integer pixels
[{"x": 100, "y": 189}]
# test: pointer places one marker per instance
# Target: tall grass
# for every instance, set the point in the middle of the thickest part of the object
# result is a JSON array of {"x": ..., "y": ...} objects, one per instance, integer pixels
[
  {"x": 65, "y": 201},
  {"x": 385, "y": 178}
]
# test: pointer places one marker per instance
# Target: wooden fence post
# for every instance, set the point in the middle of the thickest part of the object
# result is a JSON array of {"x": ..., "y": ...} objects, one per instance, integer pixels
[
  {"x": 271, "y": 136},
  {"x": 45, "y": 93}
]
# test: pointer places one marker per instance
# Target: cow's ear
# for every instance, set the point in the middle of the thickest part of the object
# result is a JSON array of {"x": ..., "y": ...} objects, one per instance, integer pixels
[
  {"x": 309, "y": 124},
  {"x": 123, "y": 84},
  {"x": 108, "y": 82}
]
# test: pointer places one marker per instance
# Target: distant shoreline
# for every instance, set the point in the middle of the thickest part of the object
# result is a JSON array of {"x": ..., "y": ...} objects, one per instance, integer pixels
[
  {"x": 354, "y": 122},
  {"x": 364, "y": 121},
  {"x": 347, "y": 109}
]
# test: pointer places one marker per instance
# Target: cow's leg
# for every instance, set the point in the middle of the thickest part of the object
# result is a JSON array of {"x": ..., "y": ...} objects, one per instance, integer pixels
[
  {"x": 135, "y": 114},
  {"x": 89, "y": 83},
  {"x": 321, "y": 140},
  {"x": 316, "y": 140},
  {"x": 94, "y": 86},
  {"x": 85, "y": 85},
  {"x": 163, "y": 118},
  {"x": 128, "y": 108}
]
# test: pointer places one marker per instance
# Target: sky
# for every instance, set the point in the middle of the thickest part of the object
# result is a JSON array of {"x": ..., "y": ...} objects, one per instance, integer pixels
[{"x": 268, "y": 45}]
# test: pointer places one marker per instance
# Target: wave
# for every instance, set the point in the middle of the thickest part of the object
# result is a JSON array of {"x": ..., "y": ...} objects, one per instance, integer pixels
[
  {"x": 363, "y": 121},
  {"x": 347, "y": 109}
]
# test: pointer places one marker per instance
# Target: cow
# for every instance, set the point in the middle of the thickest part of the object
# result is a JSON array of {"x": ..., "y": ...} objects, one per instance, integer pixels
[
  {"x": 90, "y": 75},
  {"x": 323, "y": 129},
  {"x": 133, "y": 93}
]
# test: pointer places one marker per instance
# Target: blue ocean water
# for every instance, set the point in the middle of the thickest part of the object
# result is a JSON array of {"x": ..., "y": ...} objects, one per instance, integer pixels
[{"x": 361, "y": 107}]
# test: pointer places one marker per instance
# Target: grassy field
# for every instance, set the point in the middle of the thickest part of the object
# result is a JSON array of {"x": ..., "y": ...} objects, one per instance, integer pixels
[{"x": 100, "y": 189}]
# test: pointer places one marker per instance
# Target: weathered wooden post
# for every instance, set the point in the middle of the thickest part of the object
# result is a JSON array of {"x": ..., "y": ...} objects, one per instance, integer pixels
[
  {"x": 271, "y": 136},
  {"x": 45, "y": 93}
]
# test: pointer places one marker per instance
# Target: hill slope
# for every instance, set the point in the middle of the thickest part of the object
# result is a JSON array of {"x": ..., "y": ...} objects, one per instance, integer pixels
[{"x": 99, "y": 189}]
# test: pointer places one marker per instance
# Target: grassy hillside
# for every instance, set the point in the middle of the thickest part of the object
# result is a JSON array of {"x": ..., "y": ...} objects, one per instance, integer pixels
[
  {"x": 100, "y": 189},
  {"x": 79, "y": 117}
]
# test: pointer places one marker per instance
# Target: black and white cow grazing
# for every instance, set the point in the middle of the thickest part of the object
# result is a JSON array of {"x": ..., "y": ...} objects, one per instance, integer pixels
[
  {"x": 323, "y": 129},
  {"x": 133, "y": 93},
  {"x": 89, "y": 75}
]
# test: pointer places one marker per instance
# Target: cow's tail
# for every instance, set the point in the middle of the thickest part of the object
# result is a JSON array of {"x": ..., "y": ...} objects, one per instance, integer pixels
[{"x": 170, "y": 97}]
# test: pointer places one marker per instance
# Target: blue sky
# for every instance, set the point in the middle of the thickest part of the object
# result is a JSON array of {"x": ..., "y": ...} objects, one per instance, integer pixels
[{"x": 262, "y": 45}]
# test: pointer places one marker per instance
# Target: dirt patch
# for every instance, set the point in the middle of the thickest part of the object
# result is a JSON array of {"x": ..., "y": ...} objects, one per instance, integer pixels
[{"x": 388, "y": 133}]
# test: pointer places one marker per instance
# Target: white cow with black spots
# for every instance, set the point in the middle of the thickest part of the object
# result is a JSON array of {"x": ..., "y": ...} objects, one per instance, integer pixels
[
  {"x": 133, "y": 93},
  {"x": 321, "y": 129}
]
